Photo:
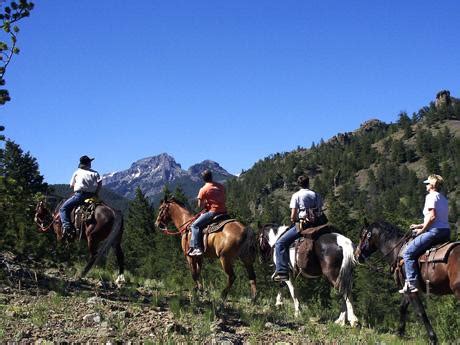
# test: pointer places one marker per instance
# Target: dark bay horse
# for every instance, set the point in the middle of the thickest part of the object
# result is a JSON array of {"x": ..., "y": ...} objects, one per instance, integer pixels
[
  {"x": 443, "y": 277},
  {"x": 334, "y": 261},
  {"x": 234, "y": 241},
  {"x": 107, "y": 224}
]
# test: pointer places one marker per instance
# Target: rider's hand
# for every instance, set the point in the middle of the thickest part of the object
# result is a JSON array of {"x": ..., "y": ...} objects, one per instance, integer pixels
[
  {"x": 419, "y": 231},
  {"x": 413, "y": 226}
]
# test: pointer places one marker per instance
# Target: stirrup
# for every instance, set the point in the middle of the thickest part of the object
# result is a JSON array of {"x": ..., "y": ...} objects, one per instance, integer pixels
[
  {"x": 196, "y": 252},
  {"x": 408, "y": 288}
]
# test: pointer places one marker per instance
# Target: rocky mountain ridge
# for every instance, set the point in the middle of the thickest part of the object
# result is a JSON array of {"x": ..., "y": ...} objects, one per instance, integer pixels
[{"x": 152, "y": 174}]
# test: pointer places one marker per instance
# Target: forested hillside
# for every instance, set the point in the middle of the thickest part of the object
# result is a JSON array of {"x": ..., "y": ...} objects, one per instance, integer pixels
[{"x": 375, "y": 171}]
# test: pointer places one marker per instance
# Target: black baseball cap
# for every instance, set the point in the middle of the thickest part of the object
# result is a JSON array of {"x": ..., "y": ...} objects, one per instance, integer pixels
[{"x": 85, "y": 160}]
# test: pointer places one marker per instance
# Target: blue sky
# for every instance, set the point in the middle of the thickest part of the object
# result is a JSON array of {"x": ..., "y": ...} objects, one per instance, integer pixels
[{"x": 229, "y": 81}]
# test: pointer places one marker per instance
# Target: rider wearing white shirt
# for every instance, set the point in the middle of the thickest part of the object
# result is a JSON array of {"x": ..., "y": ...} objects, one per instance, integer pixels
[
  {"x": 85, "y": 183},
  {"x": 434, "y": 230}
]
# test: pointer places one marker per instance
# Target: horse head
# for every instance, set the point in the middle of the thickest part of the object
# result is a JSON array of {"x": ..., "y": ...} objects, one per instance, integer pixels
[
  {"x": 42, "y": 214},
  {"x": 45, "y": 219},
  {"x": 263, "y": 240},
  {"x": 164, "y": 215},
  {"x": 267, "y": 238},
  {"x": 368, "y": 241}
]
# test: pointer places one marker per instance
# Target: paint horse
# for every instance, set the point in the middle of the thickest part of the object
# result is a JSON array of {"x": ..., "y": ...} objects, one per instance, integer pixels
[
  {"x": 441, "y": 276},
  {"x": 234, "y": 241},
  {"x": 106, "y": 224},
  {"x": 333, "y": 259}
]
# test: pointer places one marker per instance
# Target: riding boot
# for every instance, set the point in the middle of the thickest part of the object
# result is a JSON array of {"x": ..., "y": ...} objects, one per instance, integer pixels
[
  {"x": 408, "y": 287},
  {"x": 68, "y": 231}
]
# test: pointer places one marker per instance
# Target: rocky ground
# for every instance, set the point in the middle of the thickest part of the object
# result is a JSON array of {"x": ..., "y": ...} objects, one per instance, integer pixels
[{"x": 43, "y": 304}]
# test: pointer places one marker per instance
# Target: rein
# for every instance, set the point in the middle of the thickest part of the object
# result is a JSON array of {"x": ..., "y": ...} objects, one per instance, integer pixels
[
  {"x": 45, "y": 228},
  {"x": 406, "y": 236},
  {"x": 182, "y": 228}
]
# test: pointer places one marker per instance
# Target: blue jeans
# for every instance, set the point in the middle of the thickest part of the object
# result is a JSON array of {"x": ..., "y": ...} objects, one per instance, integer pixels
[
  {"x": 418, "y": 246},
  {"x": 282, "y": 249},
  {"x": 197, "y": 225},
  {"x": 77, "y": 199}
]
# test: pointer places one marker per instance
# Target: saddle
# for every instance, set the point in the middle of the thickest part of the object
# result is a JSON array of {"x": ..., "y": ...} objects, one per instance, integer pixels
[
  {"x": 84, "y": 214},
  {"x": 217, "y": 224},
  {"x": 437, "y": 254},
  {"x": 304, "y": 250}
]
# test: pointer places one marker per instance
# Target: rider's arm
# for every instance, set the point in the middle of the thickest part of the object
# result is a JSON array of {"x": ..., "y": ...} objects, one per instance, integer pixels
[
  {"x": 294, "y": 213},
  {"x": 99, "y": 186},
  {"x": 72, "y": 179},
  {"x": 428, "y": 221},
  {"x": 200, "y": 203}
]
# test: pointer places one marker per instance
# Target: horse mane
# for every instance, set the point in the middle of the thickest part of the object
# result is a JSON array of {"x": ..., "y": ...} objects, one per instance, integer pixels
[
  {"x": 58, "y": 206},
  {"x": 177, "y": 201},
  {"x": 390, "y": 230}
]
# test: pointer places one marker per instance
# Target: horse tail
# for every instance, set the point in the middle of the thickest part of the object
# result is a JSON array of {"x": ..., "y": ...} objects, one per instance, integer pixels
[
  {"x": 248, "y": 248},
  {"x": 345, "y": 278},
  {"x": 115, "y": 233}
]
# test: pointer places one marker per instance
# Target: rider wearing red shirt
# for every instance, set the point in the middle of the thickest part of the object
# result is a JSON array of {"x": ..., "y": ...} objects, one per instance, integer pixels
[{"x": 211, "y": 197}]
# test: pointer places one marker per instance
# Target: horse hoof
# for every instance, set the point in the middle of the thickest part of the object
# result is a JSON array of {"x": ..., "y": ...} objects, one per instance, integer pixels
[
  {"x": 340, "y": 322},
  {"x": 120, "y": 281},
  {"x": 354, "y": 323}
]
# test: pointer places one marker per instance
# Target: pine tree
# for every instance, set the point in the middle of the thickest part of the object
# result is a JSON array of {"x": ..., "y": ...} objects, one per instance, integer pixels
[
  {"x": 20, "y": 181},
  {"x": 138, "y": 239}
]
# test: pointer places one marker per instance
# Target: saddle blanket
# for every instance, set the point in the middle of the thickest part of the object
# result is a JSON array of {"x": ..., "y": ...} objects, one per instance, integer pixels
[{"x": 305, "y": 246}]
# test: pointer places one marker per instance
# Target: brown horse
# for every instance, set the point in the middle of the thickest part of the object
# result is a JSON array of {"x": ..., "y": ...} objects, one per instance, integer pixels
[
  {"x": 107, "y": 224},
  {"x": 232, "y": 242},
  {"x": 443, "y": 277}
]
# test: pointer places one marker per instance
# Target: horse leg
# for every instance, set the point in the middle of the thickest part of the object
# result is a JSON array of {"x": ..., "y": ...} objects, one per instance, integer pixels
[
  {"x": 92, "y": 247},
  {"x": 294, "y": 298},
  {"x": 121, "y": 265},
  {"x": 195, "y": 272},
  {"x": 248, "y": 264},
  {"x": 350, "y": 312},
  {"x": 343, "y": 313},
  {"x": 279, "y": 299},
  {"x": 227, "y": 265},
  {"x": 403, "y": 315},
  {"x": 420, "y": 310}
]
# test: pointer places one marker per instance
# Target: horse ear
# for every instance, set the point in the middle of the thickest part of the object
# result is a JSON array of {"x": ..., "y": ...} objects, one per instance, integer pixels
[{"x": 365, "y": 222}]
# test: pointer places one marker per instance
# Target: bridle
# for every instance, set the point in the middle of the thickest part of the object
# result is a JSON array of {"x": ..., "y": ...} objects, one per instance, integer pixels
[
  {"x": 39, "y": 222},
  {"x": 161, "y": 221},
  {"x": 364, "y": 246},
  {"x": 266, "y": 250}
]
